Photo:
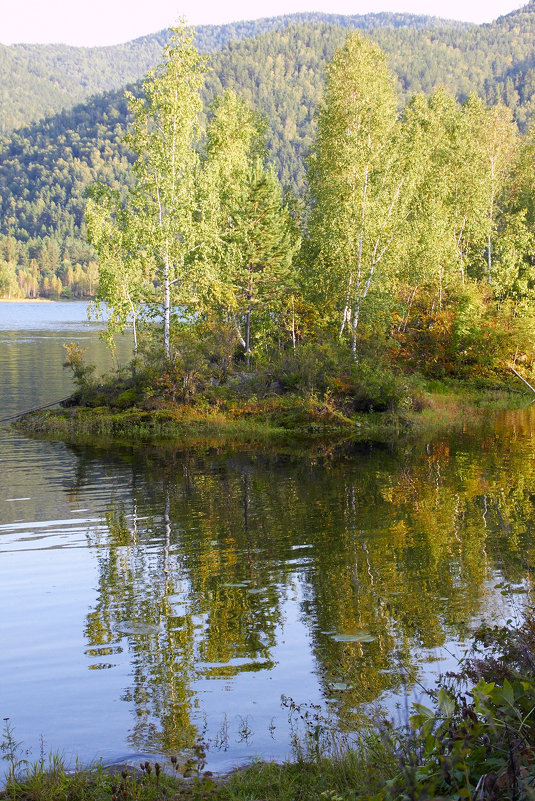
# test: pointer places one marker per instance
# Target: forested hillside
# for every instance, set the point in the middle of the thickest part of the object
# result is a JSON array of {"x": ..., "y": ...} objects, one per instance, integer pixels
[
  {"x": 46, "y": 168},
  {"x": 39, "y": 80}
]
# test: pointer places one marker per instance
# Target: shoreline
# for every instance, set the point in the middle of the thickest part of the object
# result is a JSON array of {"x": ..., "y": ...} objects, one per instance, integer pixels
[
  {"x": 27, "y": 300},
  {"x": 282, "y": 423},
  {"x": 47, "y": 300},
  {"x": 473, "y": 731}
]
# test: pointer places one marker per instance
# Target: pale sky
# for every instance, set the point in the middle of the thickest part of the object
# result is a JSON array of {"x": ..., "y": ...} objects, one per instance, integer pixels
[{"x": 104, "y": 22}]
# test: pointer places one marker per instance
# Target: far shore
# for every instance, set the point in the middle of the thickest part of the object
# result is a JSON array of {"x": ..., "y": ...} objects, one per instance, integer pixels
[{"x": 26, "y": 300}]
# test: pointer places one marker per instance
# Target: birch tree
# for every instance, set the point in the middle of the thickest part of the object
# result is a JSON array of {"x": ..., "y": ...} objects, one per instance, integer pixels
[
  {"x": 235, "y": 139},
  {"x": 163, "y": 135},
  {"x": 358, "y": 182},
  {"x": 430, "y": 253},
  {"x": 123, "y": 284},
  {"x": 500, "y": 148},
  {"x": 483, "y": 159}
]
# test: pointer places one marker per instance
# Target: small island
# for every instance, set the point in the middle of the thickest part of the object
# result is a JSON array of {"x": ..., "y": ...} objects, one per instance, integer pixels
[{"x": 403, "y": 276}]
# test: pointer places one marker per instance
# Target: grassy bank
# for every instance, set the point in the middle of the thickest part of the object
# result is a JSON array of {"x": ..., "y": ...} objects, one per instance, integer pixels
[
  {"x": 477, "y": 744},
  {"x": 317, "y": 393},
  {"x": 350, "y": 776},
  {"x": 276, "y": 420}
]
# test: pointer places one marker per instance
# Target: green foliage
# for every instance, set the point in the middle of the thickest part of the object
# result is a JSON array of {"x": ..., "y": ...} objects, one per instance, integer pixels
[
  {"x": 82, "y": 372},
  {"x": 249, "y": 237},
  {"x": 478, "y": 746},
  {"x": 180, "y": 378},
  {"x": 310, "y": 368},
  {"x": 371, "y": 387},
  {"x": 123, "y": 275},
  {"x": 356, "y": 181}
]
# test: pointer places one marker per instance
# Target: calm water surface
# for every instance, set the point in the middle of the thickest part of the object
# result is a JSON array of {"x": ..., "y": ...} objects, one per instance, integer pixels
[{"x": 148, "y": 597}]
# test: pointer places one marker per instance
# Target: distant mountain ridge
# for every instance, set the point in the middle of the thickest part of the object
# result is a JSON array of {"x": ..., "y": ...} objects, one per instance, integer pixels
[{"x": 40, "y": 80}]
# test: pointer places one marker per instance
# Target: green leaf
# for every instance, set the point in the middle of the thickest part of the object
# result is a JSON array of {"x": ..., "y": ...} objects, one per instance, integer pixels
[
  {"x": 483, "y": 688},
  {"x": 508, "y": 692},
  {"x": 445, "y": 704},
  {"x": 423, "y": 710}
]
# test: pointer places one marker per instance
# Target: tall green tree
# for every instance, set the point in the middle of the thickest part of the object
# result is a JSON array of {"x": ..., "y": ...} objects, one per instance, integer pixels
[
  {"x": 253, "y": 240},
  {"x": 356, "y": 179},
  {"x": 123, "y": 284},
  {"x": 235, "y": 138},
  {"x": 483, "y": 158},
  {"x": 164, "y": 136},
  {"x": 267, "y": 242},
  {"x": 429, "y": 259}
]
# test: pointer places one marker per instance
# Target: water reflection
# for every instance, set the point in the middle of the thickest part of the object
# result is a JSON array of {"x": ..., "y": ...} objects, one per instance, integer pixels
[
  {"x": 152, "y": 596},
  {"x": 214, "y": 563}
]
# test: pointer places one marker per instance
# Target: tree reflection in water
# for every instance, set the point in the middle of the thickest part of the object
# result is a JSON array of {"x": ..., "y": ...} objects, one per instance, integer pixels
[{"x": 380, "y": 555}]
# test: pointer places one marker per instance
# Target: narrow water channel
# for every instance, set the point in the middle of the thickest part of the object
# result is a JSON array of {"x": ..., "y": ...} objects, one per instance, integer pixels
[{"x": 149, "y": 597}]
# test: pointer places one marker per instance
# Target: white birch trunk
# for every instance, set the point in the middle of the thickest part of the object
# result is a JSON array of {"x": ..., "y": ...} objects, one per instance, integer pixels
[{"x": 166, "y": 310}]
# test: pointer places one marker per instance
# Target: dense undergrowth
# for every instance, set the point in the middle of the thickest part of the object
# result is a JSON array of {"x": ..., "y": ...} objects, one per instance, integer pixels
[
  {"x": 476, "y": 743},
  {"x": 315, "y": 391}
]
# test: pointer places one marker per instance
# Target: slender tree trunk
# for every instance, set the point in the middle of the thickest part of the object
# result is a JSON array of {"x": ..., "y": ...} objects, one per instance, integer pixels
[
  {"x": 489, "y": 258},
  {"x": 166, "y": 311},
  {"x": 134, "y": 331},
  {"x": 166, "y": 282},
  {"x": 240, "y": 337},
  {"x": 248, "y": 336},
  {"x": 346, "y": 317},
  {"x": 354, "y": 326},
  {"x": 293, "y": 324},
  {"x": 248, "y": 326}
]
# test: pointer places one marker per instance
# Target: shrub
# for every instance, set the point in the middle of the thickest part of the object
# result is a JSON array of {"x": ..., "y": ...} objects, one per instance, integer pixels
[{"x": 82, "y": 372}]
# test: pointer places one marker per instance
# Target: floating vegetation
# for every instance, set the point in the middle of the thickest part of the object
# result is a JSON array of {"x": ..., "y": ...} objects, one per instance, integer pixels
[
  {"x": 135, "y": 627},
  {"x": 359, "y": 636},
  {"x": 235, "y": 584}
]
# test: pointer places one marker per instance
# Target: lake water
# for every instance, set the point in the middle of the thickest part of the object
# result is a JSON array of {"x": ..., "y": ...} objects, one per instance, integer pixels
[{"x": 152, "y": 596}]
